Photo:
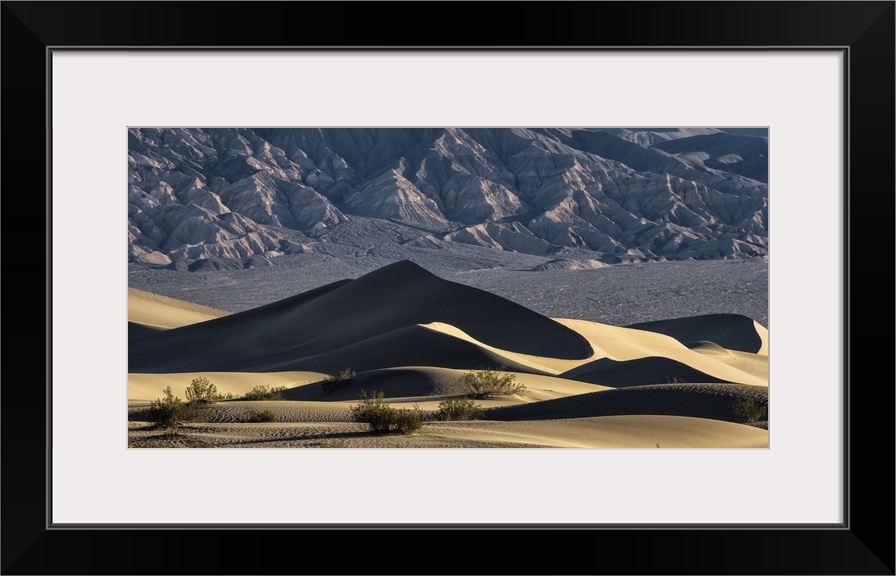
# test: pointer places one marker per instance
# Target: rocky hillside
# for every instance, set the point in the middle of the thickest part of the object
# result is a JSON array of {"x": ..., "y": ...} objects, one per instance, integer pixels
[{"x": 216, "y": 197}]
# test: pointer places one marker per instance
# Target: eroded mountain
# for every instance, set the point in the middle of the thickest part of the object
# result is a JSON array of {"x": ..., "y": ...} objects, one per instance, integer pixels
[{"x": 227, "y": 194}]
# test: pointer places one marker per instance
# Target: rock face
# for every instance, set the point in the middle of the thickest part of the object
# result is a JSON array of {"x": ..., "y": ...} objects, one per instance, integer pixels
[
  {"x": 566, "y": 264},
  {"x": 623, "y": 194}
]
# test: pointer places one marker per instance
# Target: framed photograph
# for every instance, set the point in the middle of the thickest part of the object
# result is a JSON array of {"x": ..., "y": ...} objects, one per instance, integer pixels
[
  {"x": 123, "y": 88},
  {"x": 436, "y": 287}
]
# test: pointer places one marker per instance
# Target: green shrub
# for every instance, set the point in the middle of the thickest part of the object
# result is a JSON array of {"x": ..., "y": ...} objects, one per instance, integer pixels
[
  {"x": 201, "y": 390},
  {"x": 373, "y": 410},
  {"x": 407, "y": 420},
  {"x": 332, "y": 383},
  {"x": 748, "y": 410},
  {"x": 487, "y": 382},
  {"x": 382, "y": 418},
  {"x": 459, "y": 409},
  {"x": 261, "y": 416},
  {"x": 166, "y": 412},
  {"x": 171, "y": 411},
  {"x": 262, "y": 392}
]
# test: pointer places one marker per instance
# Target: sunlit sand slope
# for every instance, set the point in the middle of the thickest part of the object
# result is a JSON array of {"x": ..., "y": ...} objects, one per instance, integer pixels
[{"x": 161, "y": 312}]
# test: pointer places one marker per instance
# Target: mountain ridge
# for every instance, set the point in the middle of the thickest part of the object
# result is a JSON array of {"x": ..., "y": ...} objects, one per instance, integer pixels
[{"x": 198, "y": 193}]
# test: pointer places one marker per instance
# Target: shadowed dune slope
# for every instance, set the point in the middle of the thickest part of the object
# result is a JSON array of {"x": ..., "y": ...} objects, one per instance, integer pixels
[
  {"x": 731, "y": 331},
  {"x": 624, "y": 344},
  {"x": 425, "y": 382},
  {"x": 711, "y": 401},
  {"x": 229, "y": 342},
  {"x": 392, "y": 382},
  {"x": 137, "y": 330},
  {"x": 411, "y": 346},
  {"x": 650, "y": 370},
  {"x": 315, "y": 330}
]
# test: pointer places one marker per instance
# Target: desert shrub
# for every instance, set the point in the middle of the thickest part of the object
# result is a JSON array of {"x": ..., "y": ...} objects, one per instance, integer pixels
[
  {"x": 407, "y": 420},
  {"x": 261, "y": 416},
  {"x": 262, "y": 392},
  {"x": 332, "y": 383},
  {"x": 194, "y": 412},
  {"x": 201, "y": 390},
  {"x": 167, "y": 411},
  {"x": 748, "y": 410},
  {"x": 459, "y": 409},
  {"x": 488, "y": 382},
  {"x": 171, "y": 411},
  {"x": 374, "y": 411},
  {"x": 382, "y": 418}
]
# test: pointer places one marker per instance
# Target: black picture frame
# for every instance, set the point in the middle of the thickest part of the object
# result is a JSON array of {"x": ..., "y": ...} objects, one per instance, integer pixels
[{"x": 864, "y": 544}]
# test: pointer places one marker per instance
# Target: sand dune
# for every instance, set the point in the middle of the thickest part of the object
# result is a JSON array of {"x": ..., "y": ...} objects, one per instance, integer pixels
[
  {"x": 731, "y": 331},
  {"x": 601, "y": 432},
  {"x": 626, "y": 344},
  {"x": 513, "y": 360},
  {"x": 755, "y": 364},
  {"x": 236, "y": 412},
  {"x": 161, "y": 312},
  {"x": 709, "y": 348},
  {"x": 763, "y": 336},
  {"x": 392, "y": 298},
  {"x": 613, "y": 432},
  {"x": 150, "y": 386},
  {"x": 623, "y": 344},
  {"x": 654, "y": 415},
  {"x": 398, "y": 384},
  {"x": 412, "y": 336},
  {"x": 303, "y": 435},
  {"x": 650, "y": 370},
  {"x": 420, "y": 383},
  {"x": 137, "y": 330},
  {"x": 443, "y": 345},
  {"x": 410, "y": 346},
  {"x": 694, "y": 400}
]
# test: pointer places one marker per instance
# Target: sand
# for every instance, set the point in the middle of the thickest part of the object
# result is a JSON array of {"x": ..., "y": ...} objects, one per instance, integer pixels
[
  {"x": 294, "y": 334},
  {"x": 149, "y": 386},
  {"x": 604, "y": 432},
  {"x": 162, "y": 312},
  {"x": 412, "y": 336}
]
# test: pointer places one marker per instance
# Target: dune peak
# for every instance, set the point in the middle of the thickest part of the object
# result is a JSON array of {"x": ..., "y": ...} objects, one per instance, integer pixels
[{"x": 343, "y": 322}]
